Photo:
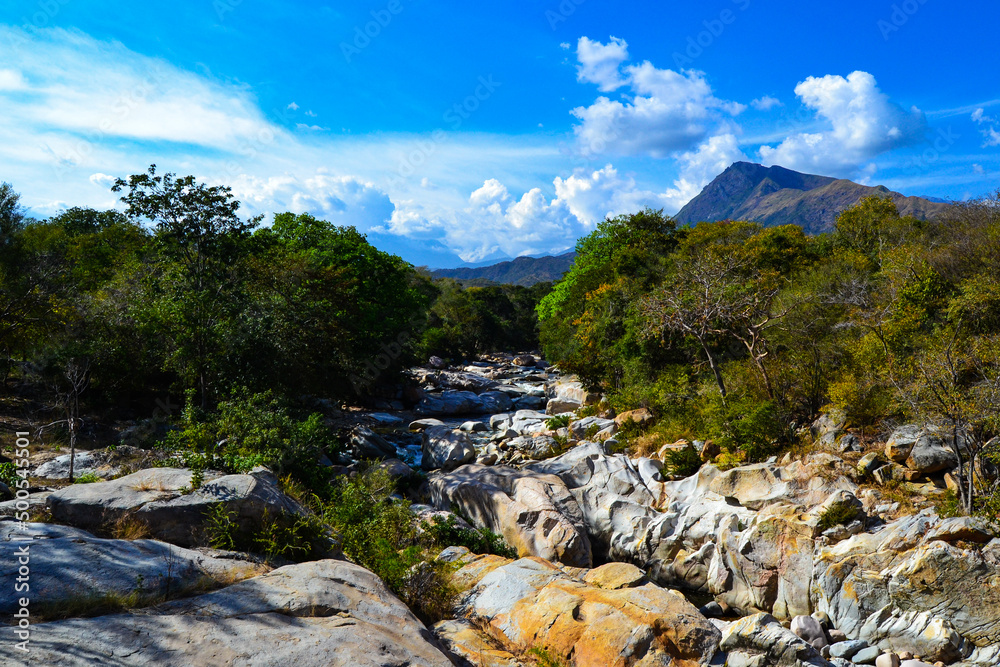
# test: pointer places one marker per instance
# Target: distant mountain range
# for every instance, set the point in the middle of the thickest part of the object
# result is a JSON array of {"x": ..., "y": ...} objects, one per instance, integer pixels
[
  {"x": 524, "y": 271},
  {"x": 776, "y": 196},
  {"x": 771, "y": 196}
]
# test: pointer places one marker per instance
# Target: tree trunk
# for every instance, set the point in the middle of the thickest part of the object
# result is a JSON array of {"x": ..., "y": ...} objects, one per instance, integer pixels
[{"x": 715, "y": 369}]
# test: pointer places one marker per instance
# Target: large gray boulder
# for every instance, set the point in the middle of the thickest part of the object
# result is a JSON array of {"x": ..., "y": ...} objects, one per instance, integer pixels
[
  {"x": 162, "y": 499},
  {"x": 594, "y": 619},
  {"x": 762, "y": 639},
  {"x": 447, "y": 448},
  {"x": 534, "y": 513},
  {"x": 319, "y": 614},
  {"x": 906, "y": 586},
  {"x": 367, "y": 445},
  {"x": 69, "y": 564}
]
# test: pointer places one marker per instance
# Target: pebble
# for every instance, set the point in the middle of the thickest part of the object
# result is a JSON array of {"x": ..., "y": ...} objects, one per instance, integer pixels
[
  {"x": 847, "y": 649},
  {"x": 887, "y": 660},
  {"x": 867, "y": 656}
]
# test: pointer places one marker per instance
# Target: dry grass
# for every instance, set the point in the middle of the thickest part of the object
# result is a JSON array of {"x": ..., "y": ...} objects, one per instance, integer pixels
[{"x": 128, "y": 527}]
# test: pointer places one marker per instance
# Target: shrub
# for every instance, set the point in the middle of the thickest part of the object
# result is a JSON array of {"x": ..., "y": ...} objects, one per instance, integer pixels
[
  {"x": 8, "y": 474},
  {"x": 558, "y": 422},
  {"x": 378, "y": 533},
  {"x": 447, "y": 533},
  {"x": 87, "y": 478},
  {"x": 683, "y": 462},
  {"x": 277, "y": 536},
  {"x": 248, "y": 431},
  {"x": 746, "y": 425},
  {"x": 837, "y": 514}
]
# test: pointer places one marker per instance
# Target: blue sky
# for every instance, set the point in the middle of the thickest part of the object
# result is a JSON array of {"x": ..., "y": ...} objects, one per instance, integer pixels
[{"x": 469, "y": 132}]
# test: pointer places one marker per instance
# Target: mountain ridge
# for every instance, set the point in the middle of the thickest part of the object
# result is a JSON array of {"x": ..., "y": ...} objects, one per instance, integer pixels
[{"x": 776, "y": 196}]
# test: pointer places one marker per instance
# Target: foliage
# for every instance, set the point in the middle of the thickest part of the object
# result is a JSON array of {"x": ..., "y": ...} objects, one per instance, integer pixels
[
  {"x": 8, "y": 474},
  {"x": 683, "y": 462},
  {"x": 251, "y": 430},
  {"x": 837, "y": 514},
  {"x": 378, "y": 533},
  {"x": 557, "y": 422},
  {"x": 87, "y": 478},
  {"x": 282, "y": 536},
  {"x": 447, "y": 532}
]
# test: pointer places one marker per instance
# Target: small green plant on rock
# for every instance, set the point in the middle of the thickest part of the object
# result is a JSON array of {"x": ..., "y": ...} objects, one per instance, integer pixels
[
  {"x": 557, "y": 422},
  {"x": 837, "y": 514},
  {"x": 682, "y": 462}
]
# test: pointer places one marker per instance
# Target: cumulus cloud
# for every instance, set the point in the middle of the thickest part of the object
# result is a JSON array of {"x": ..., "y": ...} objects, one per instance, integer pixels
[
  {"x": 599, "y": 63},
  {"x": 663, "y": 112},
  {"x": 11, "y": 80},
  {"x": 990, "y": 135},
  {"x": 765, "y": 103},
  {"x": 343, "y": 200},
  {"x": 862, "y": 122}
]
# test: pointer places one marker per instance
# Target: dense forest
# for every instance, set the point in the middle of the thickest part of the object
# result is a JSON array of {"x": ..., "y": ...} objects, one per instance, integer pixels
[
  {"x": 725, "y": 330},
  {"x": 179, "y": 301},
  {"x": 739, "y": 333}
]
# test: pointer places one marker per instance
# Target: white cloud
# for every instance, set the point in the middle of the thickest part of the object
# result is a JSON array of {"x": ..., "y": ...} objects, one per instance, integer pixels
[
  {"x": 293, "y": 106},
  {"x": 862, "y": 123},
  {"x": 599, "y": 63},
  {"x": 666, "y": 111},
  {"x": 765, "y": 103},
  {"x": 343, "y": 200},
  {"x": 102, "y": 180},
  {"x": 11, "y": 80},
  {"x": 95, "y": 90},
  {"x": 990, "y": 135}
]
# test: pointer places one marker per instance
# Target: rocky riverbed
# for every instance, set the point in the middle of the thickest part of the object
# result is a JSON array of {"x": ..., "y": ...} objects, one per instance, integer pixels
[{"x": 798, "y": 561}]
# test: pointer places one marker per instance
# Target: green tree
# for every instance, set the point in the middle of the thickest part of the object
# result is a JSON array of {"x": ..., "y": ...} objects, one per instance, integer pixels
[{"x": 199, "y": 230}]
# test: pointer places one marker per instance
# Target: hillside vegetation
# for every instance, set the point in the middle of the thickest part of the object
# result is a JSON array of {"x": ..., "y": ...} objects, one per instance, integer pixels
[{"x": 737, "y": 332}]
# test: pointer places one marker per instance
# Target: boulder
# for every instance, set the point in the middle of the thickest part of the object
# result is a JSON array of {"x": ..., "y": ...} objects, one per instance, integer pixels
[
  {"x": 930, "y": 454},
  {"x": 424, "y": 424},
  {"x": 524, "y": 360},
  {"x": 761, "y": 636},
  {"x": 162, "y": 500},
  {"x": 450, "y": 402},
  {"x": 473, "y": 427},
  {"x": 466, "y": 640},
  {"x": 593, "y": 425},
  {"x": 883, "y": 586},
  {"x": 446, "y": 448},
  {"x": 901, "y": 441},
  {"x": 536, "y": 448},
  {"x": 887, "y": 660},
  {"x": 313, "y": 614},
  {"x": 437, "y": 362},
  {"x": 385, "y": 419},
  {"x": 534, "y": 513},
  {"x": 531, "y": 602},
  {"x": 69, "y": 564},
  {"x": 642, "y": 416},
  {"x": 809, "y": 629},
  {"x": 367, "y": 445}
]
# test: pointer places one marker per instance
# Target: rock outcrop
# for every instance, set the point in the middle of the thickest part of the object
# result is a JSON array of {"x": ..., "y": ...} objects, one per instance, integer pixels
[
  {"x": 162, "y": 500},
  {"x": 315, "y": 614}
]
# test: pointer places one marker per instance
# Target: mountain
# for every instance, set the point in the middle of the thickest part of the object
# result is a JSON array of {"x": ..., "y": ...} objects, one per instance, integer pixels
[
  {"x": 776, "y": 196},
  {"x": 524, "y": 271}
]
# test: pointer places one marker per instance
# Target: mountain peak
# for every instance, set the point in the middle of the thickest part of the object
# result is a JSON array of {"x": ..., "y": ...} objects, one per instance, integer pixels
[{"x": 776, "y": 196}]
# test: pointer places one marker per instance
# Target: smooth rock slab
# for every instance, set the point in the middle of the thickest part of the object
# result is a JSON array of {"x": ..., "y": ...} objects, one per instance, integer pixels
[
  {"x": 762, "y": 636},
  {"x": 156, "y": 497},
  {"x": 321, "y": 614},
  {"x": 531, "y": 602},
  {"x": 69, "y": 563}
]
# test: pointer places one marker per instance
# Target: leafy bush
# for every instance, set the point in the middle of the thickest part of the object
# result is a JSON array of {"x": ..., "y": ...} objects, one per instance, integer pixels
[
  {"x": 246, "y": 432},
  {"x": 683, "y": 462},
  {"x": 283, "y": 536},
  {"x": 378, "y": 533},
  {"x": 837, "y": 514},
  {"x": 447, "y": 532},
  {"x": 87, "y": 478},
  {"x": 558, "y": 422},
  {"x": 8, "y": 474},
  {"x": 746, "y": 425}
]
